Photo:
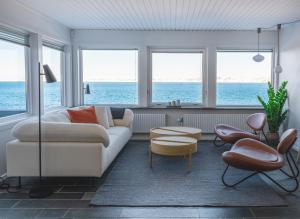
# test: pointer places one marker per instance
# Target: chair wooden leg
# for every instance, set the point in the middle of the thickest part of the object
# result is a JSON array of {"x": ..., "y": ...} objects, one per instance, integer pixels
[{"x": 150, "y": 157}]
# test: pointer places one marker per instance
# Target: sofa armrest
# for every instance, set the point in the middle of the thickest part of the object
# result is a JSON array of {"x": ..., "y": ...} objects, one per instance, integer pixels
[
  {"x": 61, "y": 132},
  {"x": 127, "y": 119}
]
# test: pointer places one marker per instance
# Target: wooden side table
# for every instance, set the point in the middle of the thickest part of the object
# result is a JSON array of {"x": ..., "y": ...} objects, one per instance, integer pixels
[{"x": 173, "y": 146}]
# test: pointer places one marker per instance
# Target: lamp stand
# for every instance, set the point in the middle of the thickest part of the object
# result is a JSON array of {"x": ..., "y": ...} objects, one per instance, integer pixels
[{"x": 40, "y": 191}]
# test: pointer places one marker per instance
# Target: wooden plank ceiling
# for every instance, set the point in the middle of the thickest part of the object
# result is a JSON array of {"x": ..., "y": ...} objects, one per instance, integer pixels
[{"x": 167, "y": 14}]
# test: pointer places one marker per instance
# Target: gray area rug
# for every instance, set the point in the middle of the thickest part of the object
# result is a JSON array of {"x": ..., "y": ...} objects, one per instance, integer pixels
[{"x": 131, "y": 182}]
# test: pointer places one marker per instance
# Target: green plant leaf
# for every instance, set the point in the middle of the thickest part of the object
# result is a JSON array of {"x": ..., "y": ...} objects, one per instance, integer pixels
[{"x": 274, "y": 106}]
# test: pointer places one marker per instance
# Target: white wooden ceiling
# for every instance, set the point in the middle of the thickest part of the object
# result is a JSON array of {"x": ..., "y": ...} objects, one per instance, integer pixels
[{"x": 167, "y": 14}]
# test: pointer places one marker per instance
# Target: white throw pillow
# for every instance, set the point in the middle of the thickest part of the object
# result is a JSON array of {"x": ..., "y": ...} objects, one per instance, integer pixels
[
  {"x": 60, "y": 116},
  {"x": 102, "y": 117},
  {"x": 110, "y": 118}
]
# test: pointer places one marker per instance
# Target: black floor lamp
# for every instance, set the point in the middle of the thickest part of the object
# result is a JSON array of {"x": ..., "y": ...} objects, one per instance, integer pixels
[{"x": 41, "y": 191}]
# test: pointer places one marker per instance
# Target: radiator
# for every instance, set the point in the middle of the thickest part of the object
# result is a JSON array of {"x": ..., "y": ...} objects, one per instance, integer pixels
[
  {"x": 207, "y": 122},
  {"x": 144, "y": 122}
]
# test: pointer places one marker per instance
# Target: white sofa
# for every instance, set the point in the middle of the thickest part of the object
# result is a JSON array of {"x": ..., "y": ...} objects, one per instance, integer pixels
[{"x": 68, "y": 149}]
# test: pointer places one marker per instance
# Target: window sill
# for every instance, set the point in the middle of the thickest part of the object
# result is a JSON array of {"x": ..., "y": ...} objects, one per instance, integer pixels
[{"x": 202, "y": 107}]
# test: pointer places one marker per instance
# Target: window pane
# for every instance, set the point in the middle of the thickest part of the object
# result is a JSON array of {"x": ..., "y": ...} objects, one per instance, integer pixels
[
  {"x": 112, "y": 76},
  {"x": 177, "y": 76},
  {"x": 52, "y": 91},
  {"x": 240, "y": 79},
  {"x": 12, "y": 78}
]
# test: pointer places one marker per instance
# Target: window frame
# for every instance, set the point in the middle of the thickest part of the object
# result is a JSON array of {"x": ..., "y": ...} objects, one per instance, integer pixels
[
  {"x": 220, "y": 49},
  {"x": 81, "y": 82},
  {"x": 60, "y": 48},
  {"x": 27, "y": 85},
  {"x": 178, "y": 50}
]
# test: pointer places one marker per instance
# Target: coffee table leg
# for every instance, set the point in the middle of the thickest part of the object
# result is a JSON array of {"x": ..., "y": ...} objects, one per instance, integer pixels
[
  {"x": 190, "y": 160},
  {"x": 150, "y": 157}
]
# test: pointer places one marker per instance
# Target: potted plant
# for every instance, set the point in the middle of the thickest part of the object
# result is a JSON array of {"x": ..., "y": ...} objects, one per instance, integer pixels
[{"x": 274, "y": 110}]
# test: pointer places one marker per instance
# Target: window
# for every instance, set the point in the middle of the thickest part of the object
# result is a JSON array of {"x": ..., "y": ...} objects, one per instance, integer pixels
[
  {"x": 112, "y": 76},
  {"x": 177, "y": 76},
  {"x": 53, "y": 91},
  {"x": 240, "y": 79},
  {"x": 12, "y": 78}
]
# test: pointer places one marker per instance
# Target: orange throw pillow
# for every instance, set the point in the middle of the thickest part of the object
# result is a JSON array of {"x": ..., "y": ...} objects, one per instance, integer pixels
[{"x": 85, "y": 115}]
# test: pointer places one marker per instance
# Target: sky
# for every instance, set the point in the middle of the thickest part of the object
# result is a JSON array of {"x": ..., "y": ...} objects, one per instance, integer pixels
[
  {"x": 102, "y": 66},
  {"x": 240, "y": 67},
  {"x": 177, "y": 67},
  {"x": 122, "y": 65},
  {"x": 110, "y": 65},
  {"x": 12, "y": 61}
]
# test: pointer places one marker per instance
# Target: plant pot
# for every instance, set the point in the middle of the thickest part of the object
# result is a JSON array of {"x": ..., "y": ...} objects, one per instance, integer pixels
[{"x": 273, "y": 138}]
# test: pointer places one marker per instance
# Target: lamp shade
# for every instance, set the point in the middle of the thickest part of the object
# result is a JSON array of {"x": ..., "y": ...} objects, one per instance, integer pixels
[
  {"x": 258, "y": 58},
  {"x": 50, "y": 78},
  {"x": 87, "y": 89},
  {"x": 278, "y": 69}
]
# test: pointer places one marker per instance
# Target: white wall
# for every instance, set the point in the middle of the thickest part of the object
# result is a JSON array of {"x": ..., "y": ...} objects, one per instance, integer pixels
[
  {"x": 290, "y": 55},
  {"x": 142, "y": 40},
  {"x": 14, "y": 15}
]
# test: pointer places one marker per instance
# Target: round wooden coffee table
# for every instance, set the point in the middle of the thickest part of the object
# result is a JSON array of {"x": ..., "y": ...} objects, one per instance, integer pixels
[
  {"x": 173, "y": 146},
  {"x": 175, "y": 131}
]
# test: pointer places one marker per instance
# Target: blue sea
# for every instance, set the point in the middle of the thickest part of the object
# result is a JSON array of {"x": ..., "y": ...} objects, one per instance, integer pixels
[{"x": 12, "y": 94}]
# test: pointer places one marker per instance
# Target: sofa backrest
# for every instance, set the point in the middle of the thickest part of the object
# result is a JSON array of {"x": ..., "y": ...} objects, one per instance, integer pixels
[
  {"x": 57, "y": 116},
  {"x": 63, "y": 116}
]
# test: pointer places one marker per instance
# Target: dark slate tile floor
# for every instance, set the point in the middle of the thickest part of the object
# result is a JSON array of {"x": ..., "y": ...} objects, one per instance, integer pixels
[{"x": 72, "y": 196}]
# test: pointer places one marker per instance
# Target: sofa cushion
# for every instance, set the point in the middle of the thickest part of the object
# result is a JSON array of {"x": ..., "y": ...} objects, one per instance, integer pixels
[
  {"x": 109, "y": 116},
  {"x": 127, "y": 119},
  {"x": 117, "y": 142},
  {"x": 61, "y": 132},
  {"x": 84, "y": 115},
  {"x": 117, "y": 130}
]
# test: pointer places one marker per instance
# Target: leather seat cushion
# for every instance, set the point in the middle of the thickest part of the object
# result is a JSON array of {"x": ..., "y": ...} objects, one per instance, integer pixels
[
  {"x": 231, "y": 134},
  {"x": 253, "y": 155},
  {"x": 256, "y": 154}
]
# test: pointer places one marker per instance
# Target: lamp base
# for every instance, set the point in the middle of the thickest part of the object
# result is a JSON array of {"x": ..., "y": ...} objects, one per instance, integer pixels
[{"x": 40, "y": 192}]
